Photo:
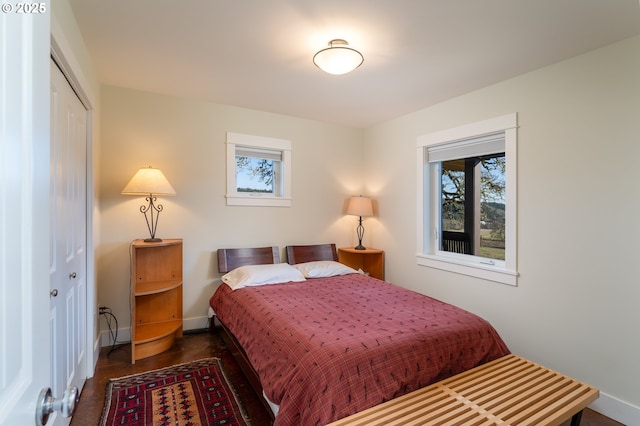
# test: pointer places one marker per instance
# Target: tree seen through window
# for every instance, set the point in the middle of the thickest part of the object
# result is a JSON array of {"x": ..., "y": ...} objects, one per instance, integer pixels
[
  {"x": 255, "y": 174},
  {"x": 473, "y": 206}
]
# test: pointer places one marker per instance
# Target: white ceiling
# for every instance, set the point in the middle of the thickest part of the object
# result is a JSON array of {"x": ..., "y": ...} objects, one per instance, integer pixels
[{"x": 258, "y": 53}]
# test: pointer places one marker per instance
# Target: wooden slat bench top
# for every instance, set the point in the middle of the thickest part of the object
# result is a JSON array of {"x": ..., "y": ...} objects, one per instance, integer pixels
[{"x": 508, "y": 391}]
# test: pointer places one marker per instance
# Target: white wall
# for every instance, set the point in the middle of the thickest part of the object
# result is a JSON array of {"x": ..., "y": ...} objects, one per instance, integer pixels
[
  {"x": 186, "y": 140},
  {"x": 575, "y": 306}
]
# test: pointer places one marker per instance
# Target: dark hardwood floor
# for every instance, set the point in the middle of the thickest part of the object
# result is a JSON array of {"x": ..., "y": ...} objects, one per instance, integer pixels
[{"x": 191, "y": 347}]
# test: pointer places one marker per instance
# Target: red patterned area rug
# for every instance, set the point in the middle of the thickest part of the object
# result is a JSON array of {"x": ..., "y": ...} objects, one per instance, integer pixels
[{"x": 190, "y": 394}]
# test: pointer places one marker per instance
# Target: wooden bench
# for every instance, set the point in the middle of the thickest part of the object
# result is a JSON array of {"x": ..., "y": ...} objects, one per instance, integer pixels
[{"x": 507, "y": 391}]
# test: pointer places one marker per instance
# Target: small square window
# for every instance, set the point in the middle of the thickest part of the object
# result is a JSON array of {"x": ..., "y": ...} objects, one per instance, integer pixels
[{"x": 258, "y": 171}]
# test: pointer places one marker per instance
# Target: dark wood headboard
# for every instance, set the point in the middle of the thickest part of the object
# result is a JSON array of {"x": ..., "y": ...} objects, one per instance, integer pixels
[
  {"x": 229, "y": 259},
  {"x": 310, "y": 253}
]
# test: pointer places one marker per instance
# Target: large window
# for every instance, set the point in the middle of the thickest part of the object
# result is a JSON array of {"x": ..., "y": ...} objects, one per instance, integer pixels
[
  {"x": 467, "y": 193},
  {"x": 258, "y": 171}
]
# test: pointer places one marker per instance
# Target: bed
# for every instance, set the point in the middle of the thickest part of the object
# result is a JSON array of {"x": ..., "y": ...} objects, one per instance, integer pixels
[{"x": 329, "y": 341}]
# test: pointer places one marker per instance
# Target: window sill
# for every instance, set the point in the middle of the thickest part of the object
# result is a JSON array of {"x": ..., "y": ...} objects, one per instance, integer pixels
[
  {"x": 472, "y": 269},
  {"x": 258, "y": 200}
]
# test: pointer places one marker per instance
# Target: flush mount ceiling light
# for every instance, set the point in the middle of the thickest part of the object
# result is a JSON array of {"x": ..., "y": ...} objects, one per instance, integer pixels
[{"x": 338, "y": 58}]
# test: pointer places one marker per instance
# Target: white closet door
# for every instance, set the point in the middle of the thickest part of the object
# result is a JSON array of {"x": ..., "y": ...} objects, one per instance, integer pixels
[{"x": 68, "y": 251}]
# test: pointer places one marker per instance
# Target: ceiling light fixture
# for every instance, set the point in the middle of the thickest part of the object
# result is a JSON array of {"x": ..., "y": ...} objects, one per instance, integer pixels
[{"x": 338, "y": 58}]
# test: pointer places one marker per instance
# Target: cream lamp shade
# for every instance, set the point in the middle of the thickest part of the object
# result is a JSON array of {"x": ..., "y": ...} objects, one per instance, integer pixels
[
  {"x": 360, "y": 206},
  {"x": 150, "y": 183},
  {"x": 338, "y": 58}
]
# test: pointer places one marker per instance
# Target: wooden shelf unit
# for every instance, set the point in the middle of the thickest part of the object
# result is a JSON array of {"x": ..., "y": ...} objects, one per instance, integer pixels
[
  {"x": 369, "y": 260},
  {"x": 156, "y": 296}
]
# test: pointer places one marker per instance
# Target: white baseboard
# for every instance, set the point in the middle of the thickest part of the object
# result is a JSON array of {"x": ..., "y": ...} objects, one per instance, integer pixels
[
  {"x": 616, "y": 409},
  {"x": 124, "y": 334},
  {"x": 96, "y": 352},
  {"x": 196, "y": 323}
]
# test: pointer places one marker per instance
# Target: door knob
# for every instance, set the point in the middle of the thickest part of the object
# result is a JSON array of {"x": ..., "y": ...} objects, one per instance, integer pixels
[{"x": 47, "y": 404}]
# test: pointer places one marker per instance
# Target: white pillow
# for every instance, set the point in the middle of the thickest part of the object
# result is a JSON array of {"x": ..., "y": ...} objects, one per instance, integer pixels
[
  {"x": 323, "y": 269},
  {"x": 252, "y": 275}
]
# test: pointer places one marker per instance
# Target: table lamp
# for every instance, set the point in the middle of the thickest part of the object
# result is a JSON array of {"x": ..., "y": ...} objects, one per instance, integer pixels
[
  {"x": 150, "y": 182},
  {"x": 360, "y": 206}
]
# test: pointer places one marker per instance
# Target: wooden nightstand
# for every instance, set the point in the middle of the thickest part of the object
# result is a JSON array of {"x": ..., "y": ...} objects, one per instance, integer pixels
[
  {"x": 156, "y": 296},
  {"x": 369, "y": 260}
]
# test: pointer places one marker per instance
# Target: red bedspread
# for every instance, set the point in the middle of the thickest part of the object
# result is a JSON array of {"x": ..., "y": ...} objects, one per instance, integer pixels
[{"x": 329, "y": 347}]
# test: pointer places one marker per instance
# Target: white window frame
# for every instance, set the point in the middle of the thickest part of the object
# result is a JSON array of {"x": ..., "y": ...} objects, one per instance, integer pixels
[
  {"x": 241, "y": 141},
  {"x": 428, "y": 252}
]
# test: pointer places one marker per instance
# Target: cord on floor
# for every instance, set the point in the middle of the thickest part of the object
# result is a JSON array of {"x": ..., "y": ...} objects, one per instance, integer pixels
[{"x": 113, "y": 332}]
